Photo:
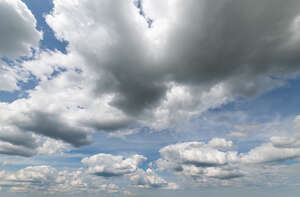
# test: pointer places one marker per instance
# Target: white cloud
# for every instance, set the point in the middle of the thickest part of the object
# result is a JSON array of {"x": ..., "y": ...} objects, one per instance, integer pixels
[
  {"x": 201, "y": 161},
  {"x": 8, "y": 79},
  {"x": 107, "y": 165},
  {"x": 53, "y": 147},
  {"x": 10, "y": 76},
  {"x": 198, "y": 154},
  {"x": 18, "y": 32},
  {"x": 48, "y": 180},
  {"x": 269, "y": 153},
  {"x": 206, "y": 163},
  {"x": 150, "y": 179}
]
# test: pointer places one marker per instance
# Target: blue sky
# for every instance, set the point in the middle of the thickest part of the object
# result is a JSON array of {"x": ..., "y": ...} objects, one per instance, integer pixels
[{"x": 149, "y": 98}]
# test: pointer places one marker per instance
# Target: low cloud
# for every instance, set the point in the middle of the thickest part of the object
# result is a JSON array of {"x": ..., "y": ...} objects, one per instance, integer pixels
[{"x": 107, "y": 165}]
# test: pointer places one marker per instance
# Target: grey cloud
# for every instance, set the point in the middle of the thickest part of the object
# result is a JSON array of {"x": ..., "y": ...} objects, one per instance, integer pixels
[
  {"x": 112, "y": 125},
  {"x": 127, "y": 68},
  {"x": 285, "y": 142},
  {"x": 51, "y": 125},
  {"x": 241, "y": 44},
  {"x": 18, "y": 33},
  {"x": 10, "y": 149},
  {"x": 18, "y": 138},
  {"x": 220, "y": 40}
]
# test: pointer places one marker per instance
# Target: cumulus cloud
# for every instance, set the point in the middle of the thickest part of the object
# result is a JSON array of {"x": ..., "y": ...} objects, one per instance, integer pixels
[
  {"x": 201, "y": 161},
  {"x": 8, "y": 79},
  {"x": 198, "y": 154},
  {"x": 107, "y": 165},
  {"x": 207, "y": 163},
  {"x": 11, "y": 76},
  {"x": 278, "y": 152},
  {"x": 48, "y": 180},
  {"x": 53, "y": 147},
  {"x": 18, "y": 34},
  {"x": 150, "y": 179}
]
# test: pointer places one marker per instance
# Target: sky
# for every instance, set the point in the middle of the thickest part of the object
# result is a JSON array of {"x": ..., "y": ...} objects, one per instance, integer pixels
[{"x": 149, "y": 98}]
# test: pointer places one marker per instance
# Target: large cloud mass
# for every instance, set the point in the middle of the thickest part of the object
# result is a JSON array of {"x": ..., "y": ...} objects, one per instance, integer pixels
[
  {"x": 122, "y": 71},
  {"x": 195, "y": 55}
]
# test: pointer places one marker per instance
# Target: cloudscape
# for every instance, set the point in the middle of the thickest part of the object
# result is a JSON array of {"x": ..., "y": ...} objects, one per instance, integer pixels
[{"x": 149, "y": 98}]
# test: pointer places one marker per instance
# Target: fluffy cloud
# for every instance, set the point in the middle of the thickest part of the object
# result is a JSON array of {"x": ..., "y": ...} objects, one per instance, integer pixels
[
  {"x": 150, "y": 179},
  {"x": 198, "y": 154},
  {"x": 201, "y": 161},
  {"x": 53, "y": 147},
  {"x": 47, "y": 179},
  {"x": 277, "y": 151},
  {"x": 207, "y": 163},
  {"x": 8, "y": 78},
  {"x": 107, "y": 165},
  {"x": 18, "y": 32}
]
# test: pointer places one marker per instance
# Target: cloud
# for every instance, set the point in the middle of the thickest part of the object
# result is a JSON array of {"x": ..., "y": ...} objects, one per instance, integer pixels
[
  {"x": 8, "y": 78},
  {"x": 18, "y": 34},
  {"x": 50, "y": 125},
  {"x": 286, "y": 142},
  {"x": 236, "y": 134},
  {"x": 17, "y": 137},
  {"x": 11, "y": 76},
  {"x": 201, "y": 161},
  {"x": 107, "y": 165},
  {"x": 268, "y": 153},
  {"x": 11, "y": 149},
  {"x": 205, "y": 163},
  {"x": 233, "y": 41},
  {"x": 48, "y": 180},
  {"x": 120, "y": 74},
  {"x": 150, "y": 179},
  {"x": 181, "y": 63},
  {"x": 53, "y": 147},
  {"x": 198, "y": 154}
]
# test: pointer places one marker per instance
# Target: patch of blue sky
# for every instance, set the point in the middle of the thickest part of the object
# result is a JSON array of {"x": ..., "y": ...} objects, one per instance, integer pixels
[
  {"x": 139, "y": 5},
  {"x": 282, "y": 101},
  {"x": 9, "y": 97},
  {"x": 39, "y": 9}
]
